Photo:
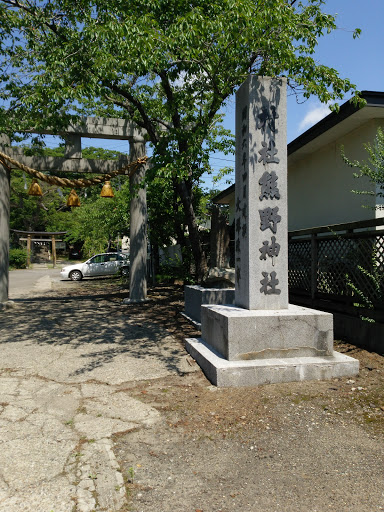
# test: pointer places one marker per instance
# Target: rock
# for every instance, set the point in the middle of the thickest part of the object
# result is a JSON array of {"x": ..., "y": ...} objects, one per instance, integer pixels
[
  {"x": 220, "y": 278},
  {"x": 9, "y": 304}
]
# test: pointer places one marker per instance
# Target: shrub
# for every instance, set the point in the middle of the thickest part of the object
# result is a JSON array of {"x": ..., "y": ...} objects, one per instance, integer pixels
[
  {"x": 169, "y": 274},
  {"x": 18, "y": 258}
]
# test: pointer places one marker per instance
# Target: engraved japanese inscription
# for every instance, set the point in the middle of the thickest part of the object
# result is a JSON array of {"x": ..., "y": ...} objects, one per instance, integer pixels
[{"x": 269, "y": 190}]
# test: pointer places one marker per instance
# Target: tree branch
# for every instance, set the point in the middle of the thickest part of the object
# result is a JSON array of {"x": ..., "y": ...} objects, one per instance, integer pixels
[
  {"x": 29, "y": 10},
  {"x": 175, "y": 116},
  {"x": 147, "y": 122}
]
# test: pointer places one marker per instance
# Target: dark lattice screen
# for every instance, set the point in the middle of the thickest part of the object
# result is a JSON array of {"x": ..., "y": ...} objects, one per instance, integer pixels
[
  {"x": 299, "y": 264},
  {"x": 335, "y": 262},
  {"x": 342, "y": 263}
]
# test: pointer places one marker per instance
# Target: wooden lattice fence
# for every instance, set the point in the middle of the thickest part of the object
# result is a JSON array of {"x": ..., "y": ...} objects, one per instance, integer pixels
[
  {"x": 333, "y": 268},
  {"x": 339, "y": 268}
]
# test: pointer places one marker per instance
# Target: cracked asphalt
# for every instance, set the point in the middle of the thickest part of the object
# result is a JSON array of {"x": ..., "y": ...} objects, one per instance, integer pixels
[{"x": 67, "y": 350}]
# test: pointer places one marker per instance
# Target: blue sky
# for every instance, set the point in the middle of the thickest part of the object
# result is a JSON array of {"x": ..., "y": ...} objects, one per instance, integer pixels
[{"x": 360, "y": 60}]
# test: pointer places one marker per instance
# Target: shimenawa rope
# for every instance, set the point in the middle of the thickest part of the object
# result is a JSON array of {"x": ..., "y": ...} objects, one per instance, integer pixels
[{"x": 74, "y": 183}]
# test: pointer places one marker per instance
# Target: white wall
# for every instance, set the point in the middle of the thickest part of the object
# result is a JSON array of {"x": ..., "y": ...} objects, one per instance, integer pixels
[{"x": 320, "y": 185}]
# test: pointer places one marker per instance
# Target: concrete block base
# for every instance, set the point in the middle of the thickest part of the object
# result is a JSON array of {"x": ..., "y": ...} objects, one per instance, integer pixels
[
  {"x": 192, "y": 320},
  {"x": 134, "y": 301},
  {"x": 195, "y": 296},
  {"x": 224, "y": 373},
  {"x": 243, "y": 334},
  {"x": 9, "y": 304}
]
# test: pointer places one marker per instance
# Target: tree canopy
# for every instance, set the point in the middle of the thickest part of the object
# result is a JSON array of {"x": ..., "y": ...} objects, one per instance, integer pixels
[{"x": 168, "y": 65}]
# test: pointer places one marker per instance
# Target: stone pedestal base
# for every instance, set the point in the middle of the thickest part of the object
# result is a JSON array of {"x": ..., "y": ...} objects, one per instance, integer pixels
[
  {"x": 224, "y": 373},
  {"x": 134, "y": 301},
  {"x": 241, "y": 347},
  {"x": 9, "y": 304},
  {"x": 195, "y": 296},
  {"x": 243, "y": 334}
]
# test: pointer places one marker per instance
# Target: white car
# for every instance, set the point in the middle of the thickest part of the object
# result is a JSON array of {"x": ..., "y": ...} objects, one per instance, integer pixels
[{"x": 105, "y": 264}]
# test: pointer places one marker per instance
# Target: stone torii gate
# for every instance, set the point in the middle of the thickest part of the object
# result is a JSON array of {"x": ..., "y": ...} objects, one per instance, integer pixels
[
  {"x": 40, "y": 236},
  {"x": 90, "y": 127}
]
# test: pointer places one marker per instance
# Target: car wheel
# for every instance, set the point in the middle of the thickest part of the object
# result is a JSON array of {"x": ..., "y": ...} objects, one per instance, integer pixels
[
  {"x": 125, "y": 271},
  {"x": 76, "y": 275}
]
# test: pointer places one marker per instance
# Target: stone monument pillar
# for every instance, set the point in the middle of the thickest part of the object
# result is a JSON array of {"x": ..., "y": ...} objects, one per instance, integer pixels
[
  {"x": 263, "y": 339},
  {"x": 261, "y": 228},
  {"x": 5, "y": 177}
]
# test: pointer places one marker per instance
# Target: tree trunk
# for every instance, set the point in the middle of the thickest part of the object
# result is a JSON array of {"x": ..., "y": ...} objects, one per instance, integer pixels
[
  {"x": 155, "y": 259},
  {"x": 219, "y": 239},
  {"x": 194, "y": 234},
  {"x": 178, "y": 227}
]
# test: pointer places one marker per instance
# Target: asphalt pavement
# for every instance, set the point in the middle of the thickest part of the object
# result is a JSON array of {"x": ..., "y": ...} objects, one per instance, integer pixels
[
  {"x": 65, "y": 364},
  {"x": 37, "y": 279}
]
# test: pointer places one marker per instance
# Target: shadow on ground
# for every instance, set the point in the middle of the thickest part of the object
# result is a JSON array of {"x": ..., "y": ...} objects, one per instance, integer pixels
[{"x": 92, "y": 313}]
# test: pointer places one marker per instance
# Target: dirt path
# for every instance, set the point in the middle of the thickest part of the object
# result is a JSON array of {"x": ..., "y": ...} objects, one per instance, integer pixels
[
  {"x": 309, "y": 446},
  {"x": 293, "y": 447}
]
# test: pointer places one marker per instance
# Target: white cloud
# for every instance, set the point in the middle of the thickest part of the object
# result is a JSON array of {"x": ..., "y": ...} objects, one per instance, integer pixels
[
  {"x": 180, "y": 80},
  {"x": 315, "y": 114}
]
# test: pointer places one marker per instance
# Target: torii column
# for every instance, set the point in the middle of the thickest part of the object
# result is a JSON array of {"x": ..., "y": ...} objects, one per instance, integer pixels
[
  {"x": 138, "y": 227},
  {"x": 5, "y": 177}
]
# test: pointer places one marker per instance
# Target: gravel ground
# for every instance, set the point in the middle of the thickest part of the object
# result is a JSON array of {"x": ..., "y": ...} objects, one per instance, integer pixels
[{"x": 293, "y": 447}]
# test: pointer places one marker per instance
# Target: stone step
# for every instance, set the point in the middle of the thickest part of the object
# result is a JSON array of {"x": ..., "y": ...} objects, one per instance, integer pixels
[{"x": 250, "y": 373}]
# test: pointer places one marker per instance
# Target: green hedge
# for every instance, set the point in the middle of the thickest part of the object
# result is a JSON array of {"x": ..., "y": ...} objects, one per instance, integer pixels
[{"x": 18, "y": 258}]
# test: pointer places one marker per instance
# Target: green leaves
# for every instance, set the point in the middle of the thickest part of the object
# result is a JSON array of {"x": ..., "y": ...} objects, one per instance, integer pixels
[
  {"x": 99, "y": 220},
  {"x": 372, "y": 169},
  {"x": 89, "y": 56},
  {"x": 356, "y": 33},
  {"x": 167, "y": 65}
]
